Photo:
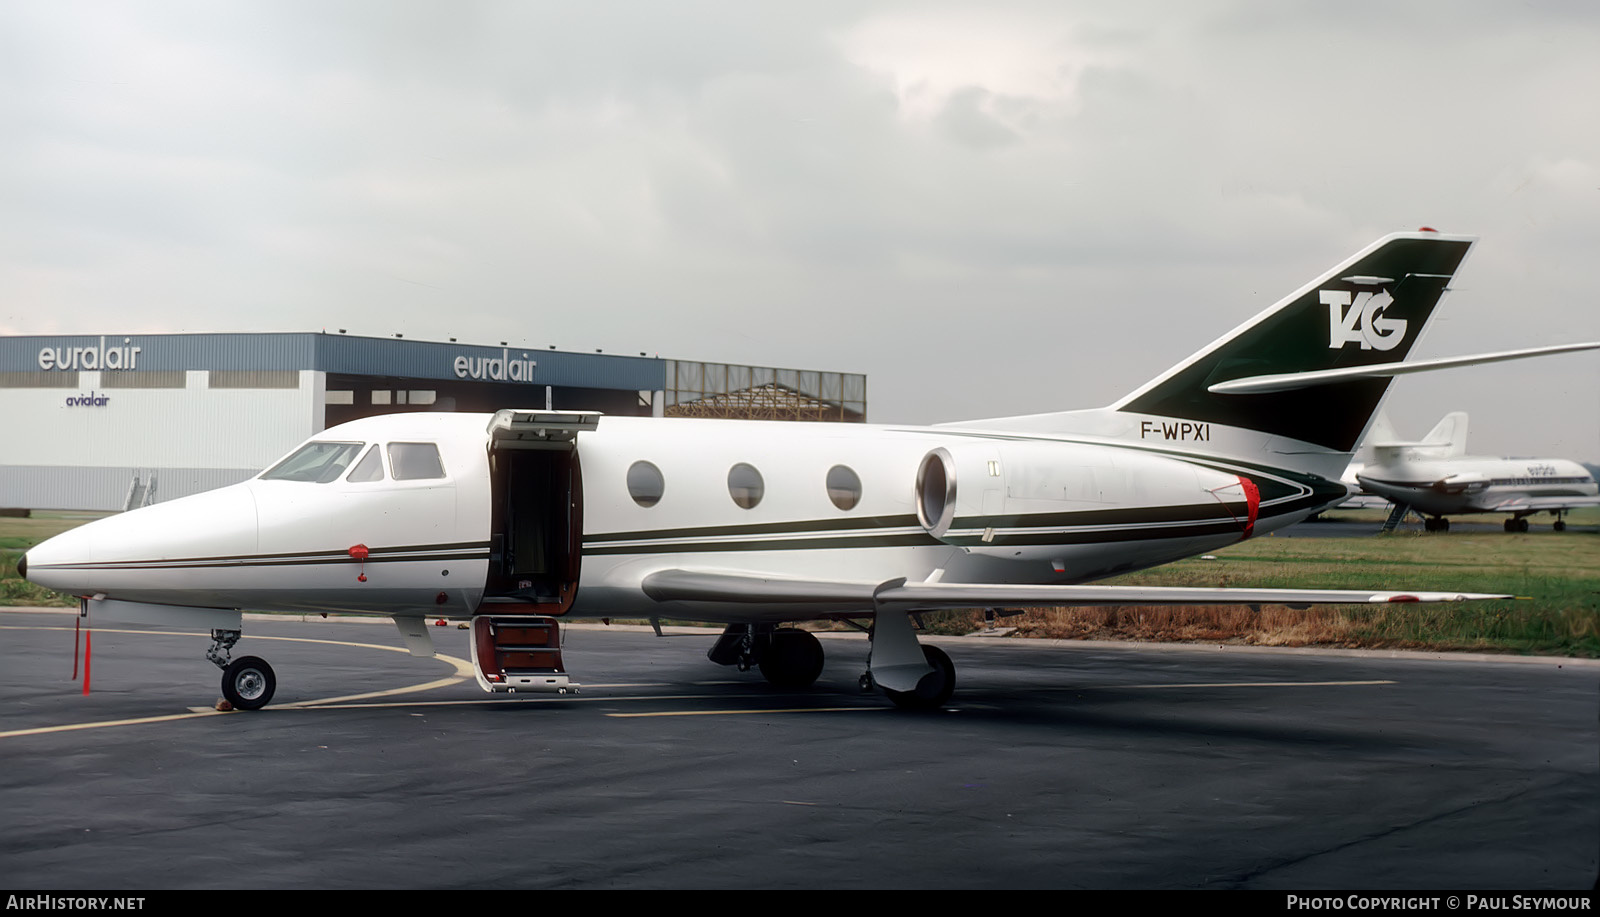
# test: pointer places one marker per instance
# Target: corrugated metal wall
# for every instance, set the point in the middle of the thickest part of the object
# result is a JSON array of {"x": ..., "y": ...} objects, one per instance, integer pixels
[
  {"x": 55, "y": 487},
  {"x": 342, "y": 354}
]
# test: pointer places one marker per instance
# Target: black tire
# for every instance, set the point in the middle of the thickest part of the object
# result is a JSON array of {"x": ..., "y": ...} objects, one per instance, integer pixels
[
  {"x": 248, "y": 683},
  {"x": 1560, "y": 525},
  {"x": 1511, "y": 525},
  {"x": 793, "y": 658},
  {"x": 935, "y": 688},
  {"x": 1522, "y": 525}
]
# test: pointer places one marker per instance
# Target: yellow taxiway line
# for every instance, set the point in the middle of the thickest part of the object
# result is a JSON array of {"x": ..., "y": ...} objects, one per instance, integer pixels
[
  {"x": 746, "y": 712},
  {"x": 463, "y": 671},
  {"x": 1256, "y": 684}
]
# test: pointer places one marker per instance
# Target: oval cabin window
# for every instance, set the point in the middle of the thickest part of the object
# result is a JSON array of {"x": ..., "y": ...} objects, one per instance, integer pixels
[
  {"x": 844, "y": 487},
  {"x": 745, "y": 485},
  {"x": 645, "y": 484}
]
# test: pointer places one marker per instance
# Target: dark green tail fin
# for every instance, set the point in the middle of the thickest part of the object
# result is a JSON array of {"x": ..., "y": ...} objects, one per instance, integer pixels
[{"x": 1370, "y": 309}]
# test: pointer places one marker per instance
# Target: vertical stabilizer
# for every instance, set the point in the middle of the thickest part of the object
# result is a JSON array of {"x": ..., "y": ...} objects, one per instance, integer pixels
[
  {"x": 1448, "y": 436},
  {"x": 1369, "y": 309},
  {"x": 1382, "y": 430}
]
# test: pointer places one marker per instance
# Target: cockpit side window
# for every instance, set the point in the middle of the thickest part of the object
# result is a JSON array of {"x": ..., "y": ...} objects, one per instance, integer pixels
[
  {"x": 315, "y": 462},
  {"x": 415, "y": 461},
  {"x": 369, "y": 469}
]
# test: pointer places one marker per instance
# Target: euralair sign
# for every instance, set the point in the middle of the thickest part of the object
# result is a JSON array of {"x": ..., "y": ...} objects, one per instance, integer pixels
[
  {"x": 497, "y": 369},
  {"x": 124, "y": 356}
]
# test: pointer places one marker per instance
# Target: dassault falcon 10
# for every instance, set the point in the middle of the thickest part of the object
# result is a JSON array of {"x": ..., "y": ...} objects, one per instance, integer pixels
[{"x": 521, "y": 519}]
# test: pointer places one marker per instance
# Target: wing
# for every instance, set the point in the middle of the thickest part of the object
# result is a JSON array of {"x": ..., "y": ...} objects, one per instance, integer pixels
[{"x": 822, "y": 597}]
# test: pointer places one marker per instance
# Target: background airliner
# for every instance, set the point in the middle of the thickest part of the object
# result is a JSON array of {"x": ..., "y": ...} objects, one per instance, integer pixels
[
  {"x": 1438, "y": 479},
  {"x": 523, "y": 518}
]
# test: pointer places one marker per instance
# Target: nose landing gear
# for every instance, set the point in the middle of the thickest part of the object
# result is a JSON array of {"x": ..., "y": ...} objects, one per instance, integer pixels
[{"x": 247, "y": 682}]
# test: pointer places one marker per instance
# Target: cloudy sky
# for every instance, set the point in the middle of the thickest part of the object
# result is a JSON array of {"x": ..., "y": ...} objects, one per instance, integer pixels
[{"x": 990, "y": 208}]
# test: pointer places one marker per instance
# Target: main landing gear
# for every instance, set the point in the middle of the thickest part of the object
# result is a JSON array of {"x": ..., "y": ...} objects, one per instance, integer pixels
[
  {"x": 1520, "y": 524},
  {"x": 247, "y": 682},
  {"x": 910, "y": 675},
  {"x": 933, "y": 690},
  {"x": 1436, "y": 524},
  {"x": 787, "y": 657}
]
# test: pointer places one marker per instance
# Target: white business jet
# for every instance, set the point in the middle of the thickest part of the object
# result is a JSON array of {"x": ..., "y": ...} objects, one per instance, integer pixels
[
  {"x": 1438, "y": 479},
  {"x": 523, "y": 518}
]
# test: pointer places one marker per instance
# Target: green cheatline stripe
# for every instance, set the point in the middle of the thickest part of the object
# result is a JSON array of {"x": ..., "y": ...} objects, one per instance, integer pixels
[
  {"x": 1133, "y": 516},
  {"x": 1280, "y": 482},
  {"x": 247, "y": 562},
  {"x": 1133, "y": 531},
  {"x": 452, "y": 551},
  {"x": 1195, "y": 512},
  {"x": 765, "y": 528},
  {"x": 1102, "y": 536},
  {"x": 790, "y": 544}
]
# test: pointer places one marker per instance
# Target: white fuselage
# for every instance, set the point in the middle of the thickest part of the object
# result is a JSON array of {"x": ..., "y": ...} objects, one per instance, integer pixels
[{"x": 1016, "y": 509}]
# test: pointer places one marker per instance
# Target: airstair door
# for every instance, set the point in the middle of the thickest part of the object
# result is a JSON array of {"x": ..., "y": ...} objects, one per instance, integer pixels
[{"x": 537, "y": 522}]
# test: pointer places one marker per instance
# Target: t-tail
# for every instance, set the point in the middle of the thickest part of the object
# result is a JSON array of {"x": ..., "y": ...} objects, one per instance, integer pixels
[
  {"x": 1367, "y": 312},
  {"x": 1297, "y": 386}
]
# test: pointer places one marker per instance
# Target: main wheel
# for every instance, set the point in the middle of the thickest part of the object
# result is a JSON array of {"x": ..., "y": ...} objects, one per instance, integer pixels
[
  {"x": 935, "y": 688},
  {"x": 248, "y": 683},
  {"x": 1560, "y": 525},
  {"x": 792, "y": 659}
]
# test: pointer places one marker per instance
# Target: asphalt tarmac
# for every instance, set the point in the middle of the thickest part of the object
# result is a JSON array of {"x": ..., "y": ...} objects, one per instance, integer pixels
[{"x": 1057, "y": 765}]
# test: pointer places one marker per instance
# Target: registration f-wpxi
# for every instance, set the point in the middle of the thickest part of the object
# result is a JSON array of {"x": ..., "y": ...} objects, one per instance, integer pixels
[{"x": 521, "y": 519}]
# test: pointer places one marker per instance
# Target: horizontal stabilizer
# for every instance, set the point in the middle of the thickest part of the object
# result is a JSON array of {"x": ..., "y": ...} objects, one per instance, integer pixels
[
  {"x": 704, "y": 586},
  {"x": 1364, "y": 501},
  {"x": 1285, "y": 382}
]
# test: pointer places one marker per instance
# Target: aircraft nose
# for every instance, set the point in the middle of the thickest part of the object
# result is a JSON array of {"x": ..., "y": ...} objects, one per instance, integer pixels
[{"x": 141, "y": 549}]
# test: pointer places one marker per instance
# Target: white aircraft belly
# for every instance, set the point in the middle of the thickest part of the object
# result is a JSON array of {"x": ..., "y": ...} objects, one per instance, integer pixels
[{"x": 324, "y": 584}]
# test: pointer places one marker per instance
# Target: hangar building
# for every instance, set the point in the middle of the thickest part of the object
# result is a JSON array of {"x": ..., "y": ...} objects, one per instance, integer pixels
[{"x": 108, "y": 422}]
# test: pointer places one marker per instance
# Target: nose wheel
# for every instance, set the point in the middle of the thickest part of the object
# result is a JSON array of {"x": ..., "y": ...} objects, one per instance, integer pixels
[{"x": 248, "y": 683}]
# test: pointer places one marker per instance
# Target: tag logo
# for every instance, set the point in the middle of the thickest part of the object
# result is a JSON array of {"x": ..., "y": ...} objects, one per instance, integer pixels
[{"x": 1361, "y": 322}]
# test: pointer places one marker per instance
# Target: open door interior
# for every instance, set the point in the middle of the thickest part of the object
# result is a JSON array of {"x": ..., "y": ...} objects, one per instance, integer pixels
[{"x": 537, "y": 519}]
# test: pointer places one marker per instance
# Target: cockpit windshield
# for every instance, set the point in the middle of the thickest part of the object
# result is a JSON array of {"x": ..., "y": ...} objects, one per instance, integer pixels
[{"x": 314, "y": 462}]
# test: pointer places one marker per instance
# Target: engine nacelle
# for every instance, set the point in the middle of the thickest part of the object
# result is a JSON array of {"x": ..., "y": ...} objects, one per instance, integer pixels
[
  {"x": 1022, "y": 493},
  {"x": 1469, "y": 482}
]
